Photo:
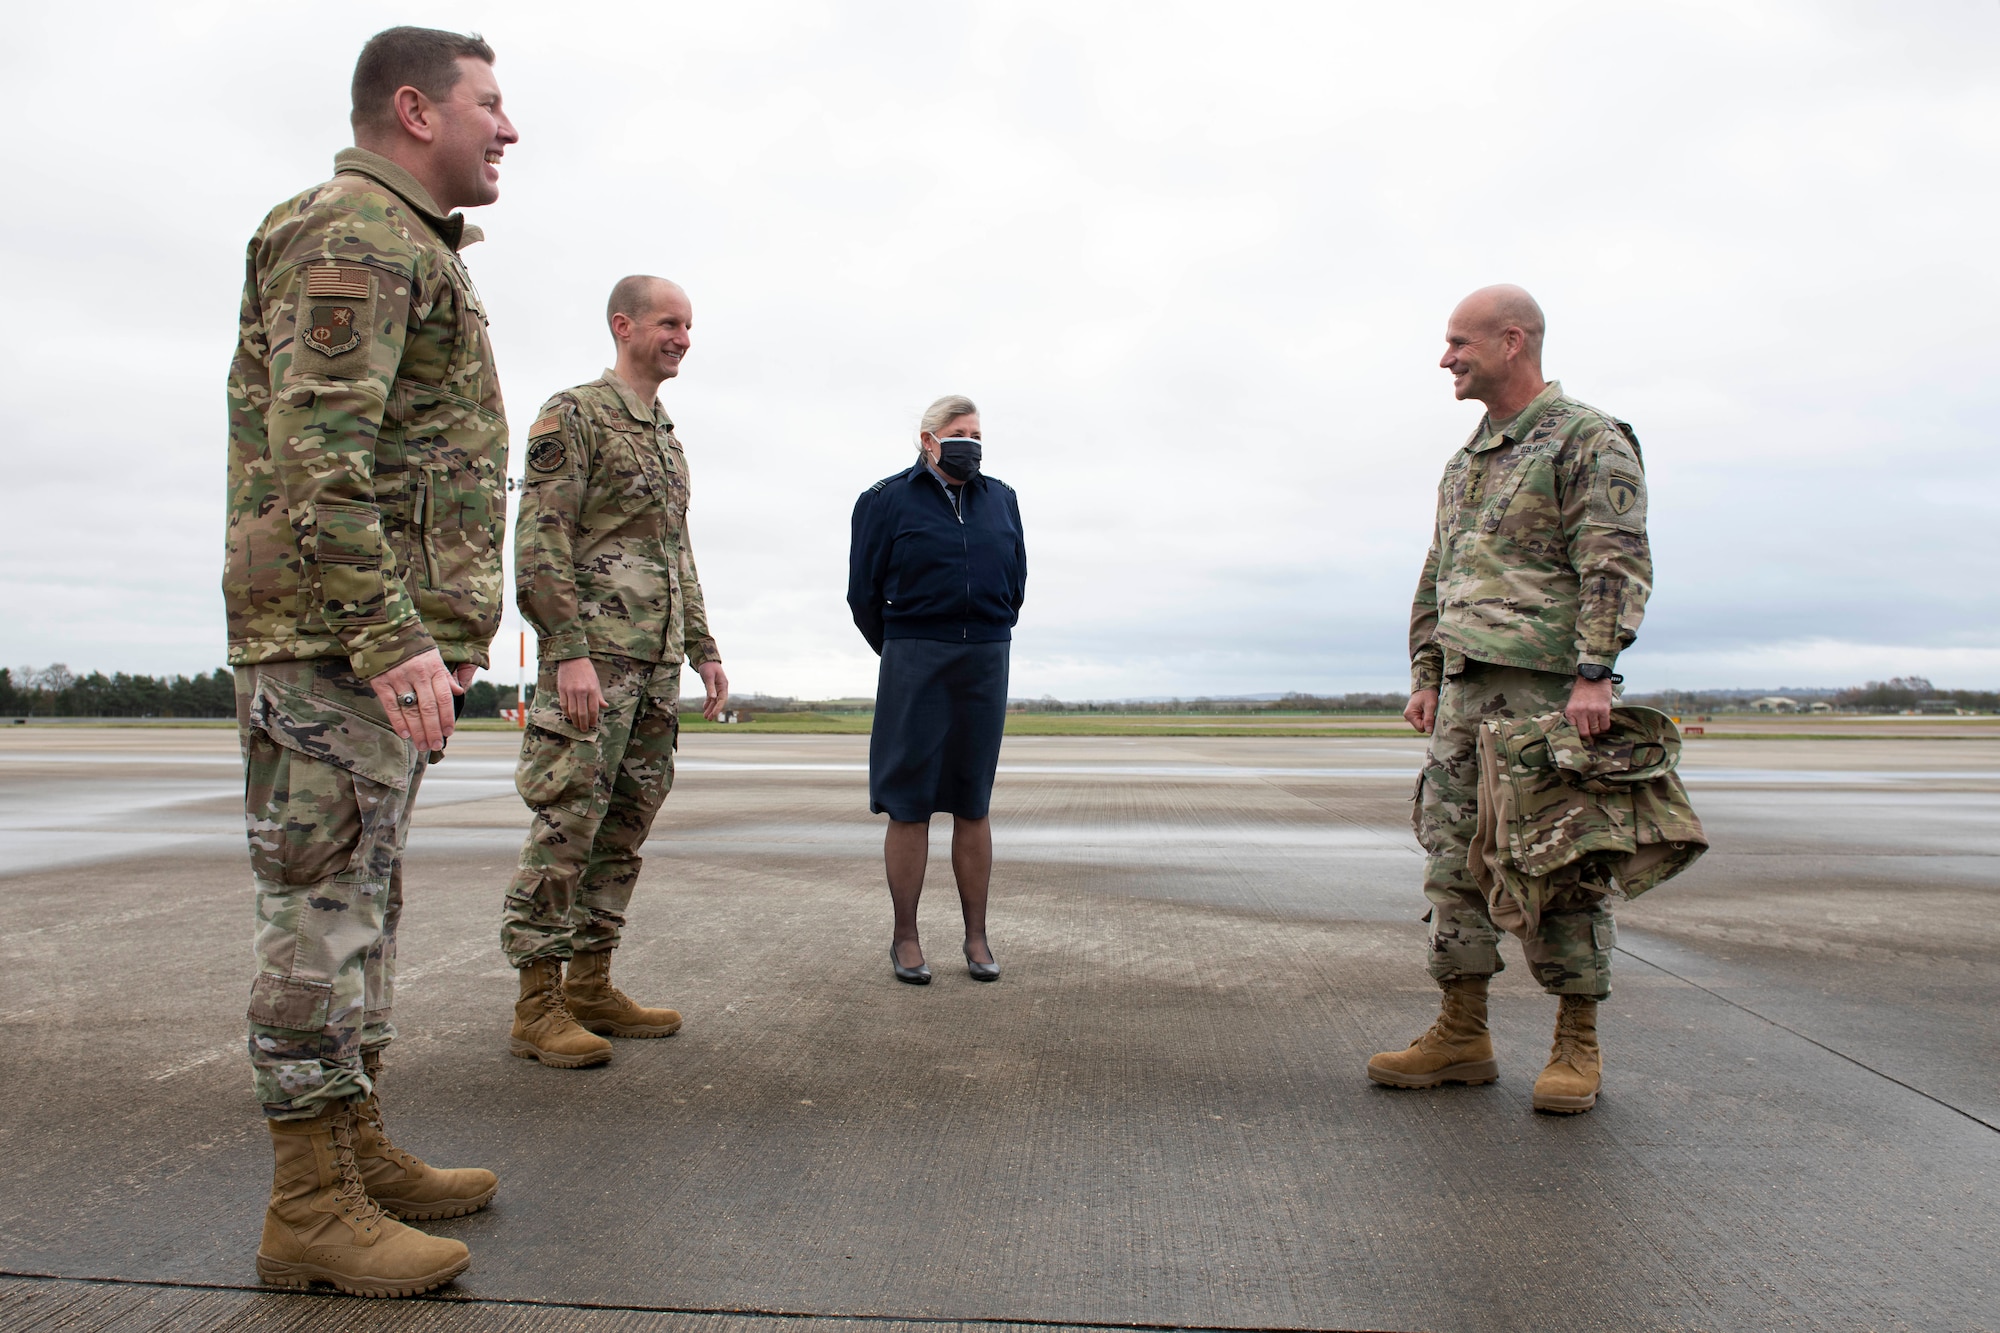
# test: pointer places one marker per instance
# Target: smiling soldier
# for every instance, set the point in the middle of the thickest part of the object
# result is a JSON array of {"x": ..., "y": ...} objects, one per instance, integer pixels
[
  {"x": 366, "y": 509},
  {"x": 604, "y": 570},
  {"x": 1536, "y": 580}
]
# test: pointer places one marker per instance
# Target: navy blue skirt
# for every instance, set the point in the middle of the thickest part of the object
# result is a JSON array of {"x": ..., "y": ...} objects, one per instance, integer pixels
[{"x": 939, "y": 711}]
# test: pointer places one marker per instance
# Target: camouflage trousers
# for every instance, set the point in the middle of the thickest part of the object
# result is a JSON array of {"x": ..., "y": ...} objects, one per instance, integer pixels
[
  {"x": 594, "y": 794},
  {"x": 1570, "y": 951},
  {"x": 327, "y": 790}
]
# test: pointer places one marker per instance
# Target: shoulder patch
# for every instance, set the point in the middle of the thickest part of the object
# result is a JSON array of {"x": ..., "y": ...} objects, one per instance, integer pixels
[
  {"x": 1618, "y": 495},
  {"x": 546, "y": 424},
  {"x": 547, "y": 455},
  {"x": 338, "y": 280},
  {"x": 331, "y": 330}
]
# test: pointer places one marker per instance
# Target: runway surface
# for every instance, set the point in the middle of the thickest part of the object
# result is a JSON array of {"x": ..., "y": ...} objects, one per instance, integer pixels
[{"x": 1156, "y": 1117}]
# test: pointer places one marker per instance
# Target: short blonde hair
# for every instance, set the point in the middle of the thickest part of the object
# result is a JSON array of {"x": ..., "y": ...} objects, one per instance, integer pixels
[{"x": 945, "y": 411}]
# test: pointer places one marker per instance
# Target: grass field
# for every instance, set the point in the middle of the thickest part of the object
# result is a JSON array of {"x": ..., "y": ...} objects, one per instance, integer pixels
[{"x": 1055, "y": 724}]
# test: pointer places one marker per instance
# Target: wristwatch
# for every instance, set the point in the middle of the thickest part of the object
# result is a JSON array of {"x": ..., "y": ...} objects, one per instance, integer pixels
[{"x": 1593, "y": 672}]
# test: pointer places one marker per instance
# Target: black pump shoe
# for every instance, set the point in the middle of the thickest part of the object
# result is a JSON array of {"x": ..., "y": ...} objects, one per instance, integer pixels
[
  {"x": 982, "y": 971},
  {"x": 920, "y": 975}
]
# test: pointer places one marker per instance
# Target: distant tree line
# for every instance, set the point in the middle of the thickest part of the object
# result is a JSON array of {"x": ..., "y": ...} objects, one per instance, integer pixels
[
  {"x": 1901, "y": 694},
  {"x": 1893, "y": 696},
  {"x": 56, "y": 691},
  {"x": 482, "y": 699}
]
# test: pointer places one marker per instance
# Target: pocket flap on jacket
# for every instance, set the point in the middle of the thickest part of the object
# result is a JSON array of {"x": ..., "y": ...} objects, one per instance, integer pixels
[{"x": 319, "y": 729}]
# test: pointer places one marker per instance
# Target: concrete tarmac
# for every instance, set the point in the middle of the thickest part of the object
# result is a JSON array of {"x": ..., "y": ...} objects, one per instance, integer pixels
[{"x": 1157, "y": 1117}]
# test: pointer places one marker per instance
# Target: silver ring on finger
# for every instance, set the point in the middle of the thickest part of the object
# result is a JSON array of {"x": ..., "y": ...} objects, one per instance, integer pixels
[{"x": 407, "y": 700}]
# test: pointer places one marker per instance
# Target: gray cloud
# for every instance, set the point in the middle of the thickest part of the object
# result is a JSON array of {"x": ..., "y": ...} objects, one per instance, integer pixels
[{"x": 1193, "y": 266}]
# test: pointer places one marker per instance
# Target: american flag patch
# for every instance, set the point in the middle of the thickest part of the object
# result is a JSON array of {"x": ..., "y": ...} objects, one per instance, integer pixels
[
  {"x": 348, "y": 282},
  {"x": 545, "y": 425}
]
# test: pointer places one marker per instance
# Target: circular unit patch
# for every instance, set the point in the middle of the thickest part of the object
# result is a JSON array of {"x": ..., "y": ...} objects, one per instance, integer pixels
[{"x": 546, "y": 455}]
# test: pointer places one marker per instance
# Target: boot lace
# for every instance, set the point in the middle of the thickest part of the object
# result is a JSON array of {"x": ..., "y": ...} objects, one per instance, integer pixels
[
  {"x": 353, "y": 1195},
  {"x": 1567, "y": 1050},
  {"x": 556, "y": 1005},
  {"x": 1569, "y": 1046},
  {"x": 370, "y": 1110}
]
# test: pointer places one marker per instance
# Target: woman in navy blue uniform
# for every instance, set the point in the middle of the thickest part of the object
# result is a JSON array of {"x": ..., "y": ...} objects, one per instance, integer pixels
[{"x": 935, "y": 578}]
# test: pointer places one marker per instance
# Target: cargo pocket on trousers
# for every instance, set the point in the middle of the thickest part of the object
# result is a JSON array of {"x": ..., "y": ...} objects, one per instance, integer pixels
[
  {"x": 557, "y": 767},
  {"x": 295, "y": 1006},
  {"x": 302, "y": 816}
]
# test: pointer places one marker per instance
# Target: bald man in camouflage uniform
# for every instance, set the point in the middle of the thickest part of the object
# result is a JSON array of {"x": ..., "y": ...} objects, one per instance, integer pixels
[
  {"x": 1536, "y": 581},
  {"x": 605, "y": 572},
  {"x": 366, "y": 508}
]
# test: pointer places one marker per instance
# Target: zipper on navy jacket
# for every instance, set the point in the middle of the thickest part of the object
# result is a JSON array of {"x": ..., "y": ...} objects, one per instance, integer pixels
[
  {"x": 957, "y": 512},
  {"x": 965, "y": 631}
]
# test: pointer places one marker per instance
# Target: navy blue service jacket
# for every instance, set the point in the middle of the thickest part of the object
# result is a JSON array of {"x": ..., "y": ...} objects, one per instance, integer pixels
[{"x": 919, "y": 569}]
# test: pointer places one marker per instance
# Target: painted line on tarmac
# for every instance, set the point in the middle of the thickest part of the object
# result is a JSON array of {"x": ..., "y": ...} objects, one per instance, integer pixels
[
  {"x": 1830, "y": 1050},
  {"x": 742, "y": 1312}
]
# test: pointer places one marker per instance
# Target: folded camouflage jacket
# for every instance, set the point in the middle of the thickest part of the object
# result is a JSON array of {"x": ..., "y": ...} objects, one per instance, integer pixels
[{"x": 1555, "y": 809}]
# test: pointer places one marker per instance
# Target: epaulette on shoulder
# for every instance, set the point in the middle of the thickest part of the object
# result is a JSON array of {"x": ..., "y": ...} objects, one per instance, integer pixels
[
  {"x": 1631, "y": 438},
  {"x": 1583, "y": 417},
  {"x": 1583, "y": 413},
  {"x": 880, "y": 484},
  {"x": 1001, "y": 484},
  {"x": 354, "y": 207}
]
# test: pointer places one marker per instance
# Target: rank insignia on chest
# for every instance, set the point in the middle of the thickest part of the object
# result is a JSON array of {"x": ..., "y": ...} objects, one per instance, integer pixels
[
  {"x": 333, "y": 329},
  {"x": 1623, "y": 493}
]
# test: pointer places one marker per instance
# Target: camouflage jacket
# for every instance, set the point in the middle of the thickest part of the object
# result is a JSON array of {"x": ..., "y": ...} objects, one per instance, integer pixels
[
  {"x": 1539, "y": 558},
  {"x": 1549, "y": 799},
  {"x": 602, "y": 561},
  {"x": 367, "y": 443}
]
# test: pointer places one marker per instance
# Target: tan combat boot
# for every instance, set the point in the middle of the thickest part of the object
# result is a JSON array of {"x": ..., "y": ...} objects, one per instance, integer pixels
[
  {"x": 404, "y": 1186},
  {"x": 322, "y": 1226},
  {"x": 1456, "y": 1049},
  {"x": 1569, "y": 1082},
  {"x": 543, "y": 1027},
  {"x": 606, "y": 1010}
]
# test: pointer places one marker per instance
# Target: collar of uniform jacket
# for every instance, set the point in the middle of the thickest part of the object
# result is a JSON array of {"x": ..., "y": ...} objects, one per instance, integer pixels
[
  {"x": 650, "y": 413},
  {"x": 454, "y": 230},
  {"x": 1517, "y": 430},
  {"x": 921, "y": 470}
]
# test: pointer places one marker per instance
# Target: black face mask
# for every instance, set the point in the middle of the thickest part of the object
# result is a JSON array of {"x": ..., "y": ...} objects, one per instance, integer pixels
[{"x": 958, "y": 458}]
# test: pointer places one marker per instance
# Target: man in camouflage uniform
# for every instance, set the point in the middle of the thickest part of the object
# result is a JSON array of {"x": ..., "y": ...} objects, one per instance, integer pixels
[
  {"x": 1536, "y": 580},
  {"x": 366, "y": 509},
  {"x": 605, "y": 572}
]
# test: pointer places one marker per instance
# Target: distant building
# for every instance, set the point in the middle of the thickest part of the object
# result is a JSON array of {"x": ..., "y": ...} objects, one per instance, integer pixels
[{"x": 1775, "y": 703}]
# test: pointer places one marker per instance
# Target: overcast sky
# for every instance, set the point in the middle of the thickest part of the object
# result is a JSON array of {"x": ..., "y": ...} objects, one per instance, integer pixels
[{"x": 1193, "y": 262}]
